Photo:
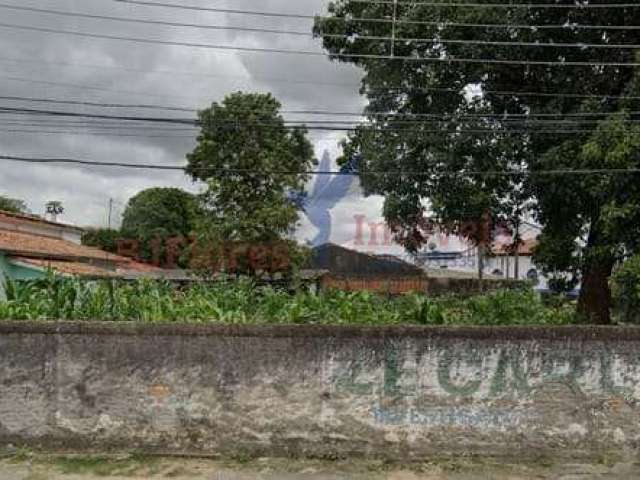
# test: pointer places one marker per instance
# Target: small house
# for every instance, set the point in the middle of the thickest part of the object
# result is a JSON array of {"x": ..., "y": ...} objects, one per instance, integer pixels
[{"x": 30, "y": 246}]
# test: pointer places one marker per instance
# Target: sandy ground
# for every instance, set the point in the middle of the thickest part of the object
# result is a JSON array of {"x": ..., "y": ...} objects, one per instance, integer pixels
[{"x": 41, "y": 467}]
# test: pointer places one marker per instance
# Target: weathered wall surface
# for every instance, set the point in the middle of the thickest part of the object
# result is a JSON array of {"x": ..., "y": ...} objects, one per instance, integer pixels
[{"x": 391, "y": 392}]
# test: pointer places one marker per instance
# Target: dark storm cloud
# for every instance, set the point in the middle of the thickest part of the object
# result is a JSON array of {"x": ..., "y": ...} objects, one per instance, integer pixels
[{"x": 128, "y": 72}]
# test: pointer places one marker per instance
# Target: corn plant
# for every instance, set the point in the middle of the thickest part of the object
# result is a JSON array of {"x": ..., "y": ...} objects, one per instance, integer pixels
[{"x": 242, "y": 302}]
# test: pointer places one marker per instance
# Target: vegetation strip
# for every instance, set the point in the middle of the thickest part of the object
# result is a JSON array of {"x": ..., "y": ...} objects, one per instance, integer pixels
[{"x": 243, "y": 303}]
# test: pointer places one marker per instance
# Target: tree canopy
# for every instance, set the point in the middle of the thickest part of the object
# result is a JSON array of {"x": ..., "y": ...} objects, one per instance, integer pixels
[
  {"x": 160, "y": 212},
  {"x": 103, "y": 238},
  {"x": 488, "y": 135},
  {"x": 251, "y": 162},
  {"x": 13, "y": 205}
]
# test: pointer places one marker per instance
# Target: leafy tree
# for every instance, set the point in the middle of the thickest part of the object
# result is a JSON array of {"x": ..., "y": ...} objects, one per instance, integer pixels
[
  {"x": 251, "y": 162},
  {"x": 626, "y": 290},
  {"x": 160, "y": 211},
  {"x": 582, "y": 215},
  {"x": 13, "y": 205},
  {"x": 103, "y": 238},
  {"x": 157, "y": 214}
]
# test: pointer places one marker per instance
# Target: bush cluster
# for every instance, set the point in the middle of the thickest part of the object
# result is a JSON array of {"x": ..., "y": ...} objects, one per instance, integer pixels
[{"x": 626, "y": 291}]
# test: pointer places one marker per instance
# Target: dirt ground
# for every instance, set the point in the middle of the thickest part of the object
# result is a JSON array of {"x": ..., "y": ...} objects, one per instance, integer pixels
[{"x": 27, "y": 466}]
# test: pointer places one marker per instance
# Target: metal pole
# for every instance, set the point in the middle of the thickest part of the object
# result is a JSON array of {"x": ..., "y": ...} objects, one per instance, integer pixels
[
  {"x": 516, "y": 266},
  {"x": 393, "y": 28},
  {"x": 110, "y": 210}
]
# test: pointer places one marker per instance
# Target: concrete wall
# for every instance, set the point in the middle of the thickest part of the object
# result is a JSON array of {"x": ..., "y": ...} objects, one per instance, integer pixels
[{"x": 390, "y": 392}]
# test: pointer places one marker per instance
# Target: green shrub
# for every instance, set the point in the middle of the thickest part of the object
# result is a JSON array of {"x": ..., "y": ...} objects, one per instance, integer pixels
[
  {"x": 626, "y": 291},
  {"x": 242, "y": 302}
]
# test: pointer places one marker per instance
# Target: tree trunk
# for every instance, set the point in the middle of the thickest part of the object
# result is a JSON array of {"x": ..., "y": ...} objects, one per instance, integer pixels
[
  {"x": 481, "y": 267},
  {"x": 594, "y": 303}
]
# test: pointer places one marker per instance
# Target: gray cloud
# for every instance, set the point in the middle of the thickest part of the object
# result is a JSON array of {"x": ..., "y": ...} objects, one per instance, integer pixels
[{"x": 127, "y": 72}]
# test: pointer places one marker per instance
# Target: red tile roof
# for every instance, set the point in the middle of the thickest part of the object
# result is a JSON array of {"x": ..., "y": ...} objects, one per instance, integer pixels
[
  {"x": 63, "y": 255},
  {"x": 30, "y": 245},
  {"x": 525, "y": 248}
]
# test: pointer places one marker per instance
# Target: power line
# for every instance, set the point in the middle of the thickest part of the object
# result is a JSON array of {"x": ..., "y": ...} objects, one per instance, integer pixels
[
  {"x": 183, "y": 121},
  {"x": 517, "y": 26},
  {"x": 361, "y": 19},
  {"x": 219, "y": 10},
  {"x": 92, "y": 133},
  {"x": 235, "y": 171},
  {"x": 169, "y": 72},
  {"x": 111, "y": 124},
  {"x": 152, "y": 22},
  {"x": 99, "y": 126},
  {"x": 576, "y": 5},
  {"x": 387, "y": 20},
  {"x": 313, "y": 112},
  {"x": 195, "y": 122},
  {"x": 93, "y": 104},
  {"x": 504, "y": 93},
  {"x": 375, "y": 20},
  {"x": 330, "y": 55},
  {"x": 87, "y": 87},
  {"x": 506, "y": 130},
  {"x": 387, "y": 89},
  {"x": 443, "y": 41},
  {"x": 398, "y": 130}
]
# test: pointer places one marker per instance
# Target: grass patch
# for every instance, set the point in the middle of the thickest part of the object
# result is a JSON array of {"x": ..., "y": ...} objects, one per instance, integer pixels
[{"x": 106, "y": 466}]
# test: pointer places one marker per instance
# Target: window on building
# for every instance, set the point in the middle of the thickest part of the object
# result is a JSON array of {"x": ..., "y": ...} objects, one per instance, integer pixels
[{"x": 532, "y": 276}]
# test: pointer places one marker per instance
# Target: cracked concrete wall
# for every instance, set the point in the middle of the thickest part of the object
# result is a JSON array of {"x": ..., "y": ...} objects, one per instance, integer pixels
[{"x": 321, "y": 391}]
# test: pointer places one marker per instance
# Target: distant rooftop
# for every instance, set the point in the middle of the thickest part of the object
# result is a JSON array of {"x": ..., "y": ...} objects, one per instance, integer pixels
[
  {"x": 32, "y": 245},
  {"x": 24, "y": 217}
]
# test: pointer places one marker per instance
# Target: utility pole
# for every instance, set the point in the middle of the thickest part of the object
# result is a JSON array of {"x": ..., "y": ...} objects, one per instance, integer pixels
[
  {"x": 110, "y": 210},
  {"x": 393, "y": 28},
  {"x": 516, "y": 253},
  {"x": 481, "y": 266}
]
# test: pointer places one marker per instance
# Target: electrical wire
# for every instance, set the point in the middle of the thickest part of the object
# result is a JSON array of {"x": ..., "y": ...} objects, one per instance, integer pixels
[
  {"x": 47, "y": 11},
  {"x": 94, "y": 104},
  {"x": 577, "y": 5},
  {"x": 188, "y": 121},
  {"x": 236, "y": 171},
  {"x": 358, "y": 37},
  {"x": 391, "y": 89},
  {"x": 351, "y": 19},
  {"x": 169, "y": 72},
  {"x": 235, "y": 48},
  {"x": 88, "y": 87},
  {"x": 91, "y": 133},
  {"x": 444, "y": 124}
]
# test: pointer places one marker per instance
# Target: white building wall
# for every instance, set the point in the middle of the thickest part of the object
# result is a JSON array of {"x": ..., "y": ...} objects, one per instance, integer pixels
[{"x": 14, "y": 224}]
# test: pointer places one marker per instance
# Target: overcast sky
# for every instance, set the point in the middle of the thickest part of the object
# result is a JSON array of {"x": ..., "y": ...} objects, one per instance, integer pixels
[{"x": 32, "y": 63}]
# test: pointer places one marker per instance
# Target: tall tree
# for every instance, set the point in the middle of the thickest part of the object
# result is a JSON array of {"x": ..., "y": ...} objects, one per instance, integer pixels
[
  {"x": 13, "y": 205},
  {"x": 251, "y": 162},
  {"x": 464, "y": 136},
  {"x": 157, "y": 214},
  {"x": 160, "y": 211}
]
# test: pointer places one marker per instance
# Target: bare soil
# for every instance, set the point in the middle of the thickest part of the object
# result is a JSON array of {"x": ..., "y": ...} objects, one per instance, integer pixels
[{"x": 27, "y": 466}]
